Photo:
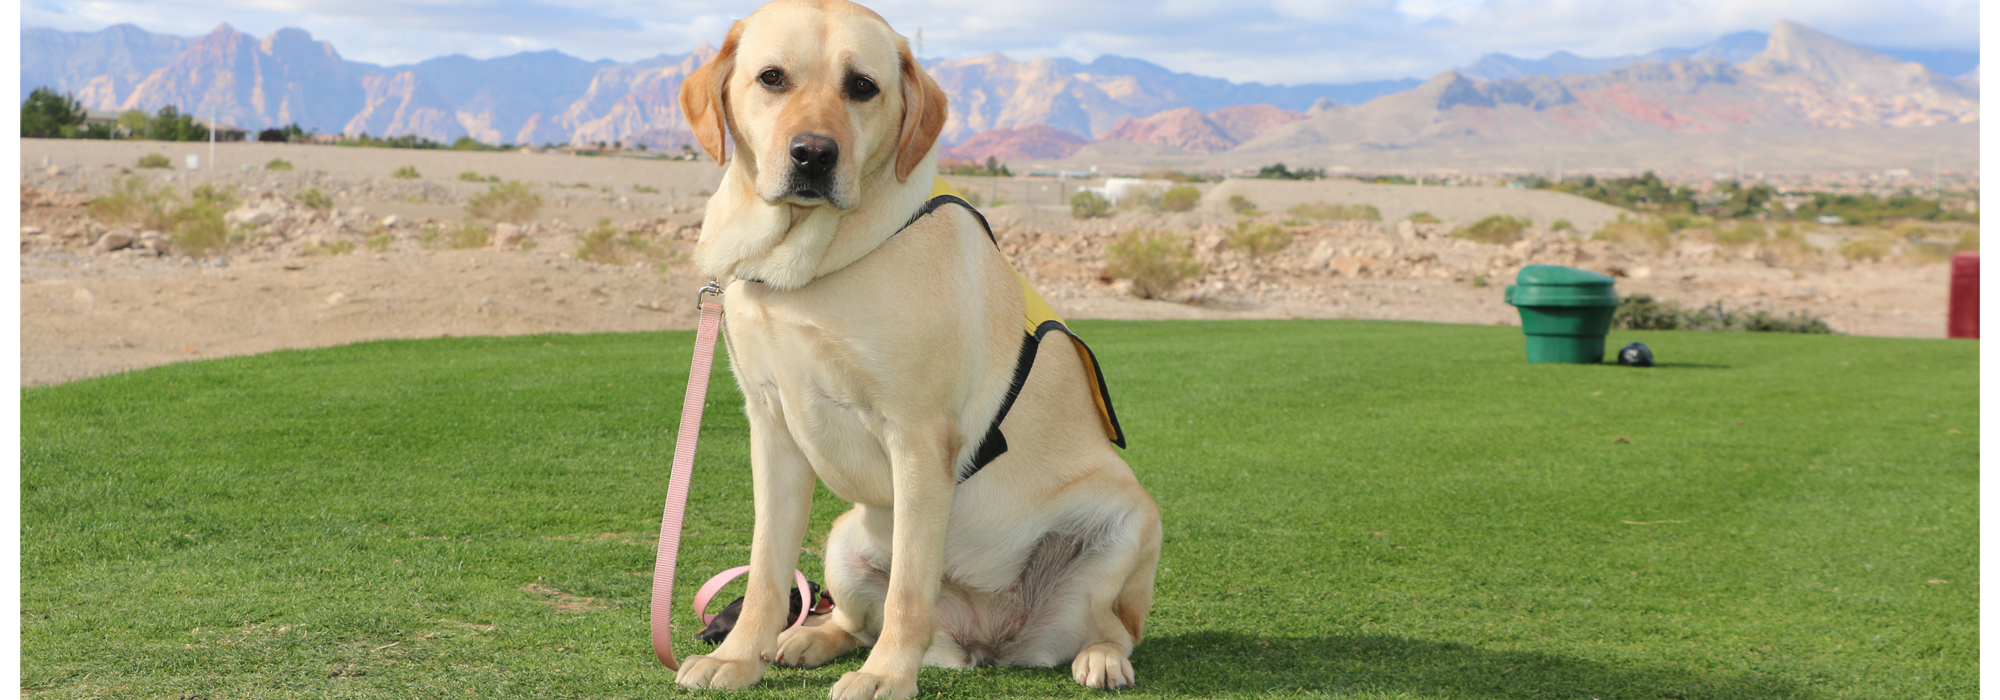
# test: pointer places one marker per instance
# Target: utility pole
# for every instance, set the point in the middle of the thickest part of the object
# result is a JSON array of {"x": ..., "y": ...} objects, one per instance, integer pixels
[
  {"x": 1937, "y": 184},
  {"x": 211, "y": 143}
]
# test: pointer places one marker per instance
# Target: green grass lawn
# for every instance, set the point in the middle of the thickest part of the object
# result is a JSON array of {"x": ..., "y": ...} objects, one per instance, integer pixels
[{"x": 1362, "y": 509}]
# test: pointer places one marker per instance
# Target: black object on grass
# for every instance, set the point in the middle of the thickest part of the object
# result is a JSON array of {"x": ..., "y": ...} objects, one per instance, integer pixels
[
  {"x": 1636, "y": 355},
  {"x": 718, "y": 627}
]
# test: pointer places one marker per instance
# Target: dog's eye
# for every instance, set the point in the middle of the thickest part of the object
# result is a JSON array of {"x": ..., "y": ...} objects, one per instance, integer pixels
[
  {"x": 861, "y": 88},
  {"x": 772, "y": 78}
]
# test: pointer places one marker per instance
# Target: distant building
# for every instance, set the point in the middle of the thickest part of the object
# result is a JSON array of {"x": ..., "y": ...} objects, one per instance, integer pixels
[
  {"x": 105, "y": 117},
  {"x": 227, "y": 132}
]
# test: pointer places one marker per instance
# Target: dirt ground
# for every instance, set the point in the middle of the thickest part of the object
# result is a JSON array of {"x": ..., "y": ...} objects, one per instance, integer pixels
[{"x": 371, "y": 268}]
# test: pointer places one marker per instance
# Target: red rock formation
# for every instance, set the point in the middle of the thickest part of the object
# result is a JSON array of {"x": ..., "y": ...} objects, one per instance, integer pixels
[
  {"x": 1182, "y": 128},
  {"x": 1037, "y": 142},
  {"x": 1245, "y": 122}
]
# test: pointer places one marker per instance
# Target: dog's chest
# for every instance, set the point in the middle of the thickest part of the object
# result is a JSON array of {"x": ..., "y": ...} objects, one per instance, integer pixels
[{"x": 816, "y": 385}]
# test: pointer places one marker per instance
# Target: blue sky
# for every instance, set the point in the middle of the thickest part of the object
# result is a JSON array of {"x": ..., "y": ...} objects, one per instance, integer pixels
[{"x": 1271, "y": 41}]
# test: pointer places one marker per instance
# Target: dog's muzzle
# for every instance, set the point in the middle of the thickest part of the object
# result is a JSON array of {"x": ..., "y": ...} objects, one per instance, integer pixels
[{"x": 813, "y": 160}]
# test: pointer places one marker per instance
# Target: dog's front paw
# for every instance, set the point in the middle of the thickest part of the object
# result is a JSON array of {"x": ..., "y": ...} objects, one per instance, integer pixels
[
  {"x": 812, "y": 647},
  {"x": 1103, "y": 666},
  {"x": 712, "y": 672},
  {"x": 861, "y": 685}
]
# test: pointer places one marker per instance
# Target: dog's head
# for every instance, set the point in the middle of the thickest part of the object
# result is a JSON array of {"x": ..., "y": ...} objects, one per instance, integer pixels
[{"x": 818, "y": 95}]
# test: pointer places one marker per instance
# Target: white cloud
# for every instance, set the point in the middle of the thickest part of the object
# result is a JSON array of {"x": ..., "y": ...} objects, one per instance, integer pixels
[{"x": 1271, "y": 41}]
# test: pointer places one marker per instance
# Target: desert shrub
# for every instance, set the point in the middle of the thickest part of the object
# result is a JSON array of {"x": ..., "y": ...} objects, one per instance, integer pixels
[
  {"x": 155, "y": 160},
  {"x": 1562, "y": 225},
  {"x": 1423, "y": 217},
  {"x": 468, "y": 235},
  {"x": 508, "y": 202},
  {"x": 1786, "y": 246},
  {"x": 603, "y": 244},
  {"x": 1155, "y": 261},
  {"x": 1860, "y": 249},
  {"x": 1678, "y": 222},
  {"x": 379, "y": 243},
  {"x": 1968, "y": 242},
  {"x": 471, "y": 176},
  {"x": 1180, "y": 199},
  {"x": 197, "y": 228},
  {"x": 334, "y": 248},
  {"x": 1649, "y": 232},
  {"x": 132, "y": 201},
  {"x": 645, "y": 189},
  {"x": 1742, "y": 234},
  {"x": 1278, "y": 171},
  {"x": 1323, "y": 211},
  {"x": 1242, "y": 205},
  {"x": 279, "y": 165},
  {"x": 1258, "y": 241},
  {"x": 314, "y": 199},
  {"x": 407, "y": 172},
  {"x": 1173, "y": 175},
  {"x": 1086, "y": 204},
  {"x": 1498, "y": 228},
  {"x": 429, "y": 235},
  {"x": 1643, "y": 312}
]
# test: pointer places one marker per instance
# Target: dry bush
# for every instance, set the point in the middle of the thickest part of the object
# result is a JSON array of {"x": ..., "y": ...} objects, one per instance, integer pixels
[
  {"x": 1742, "y": 234},
  {"x": 1242, "y": 205},
  {"x": 1155, "y": 261},
  {"x": 1086, "y": 204},
  {"x": 508, "y": 202},
  {"x": 1786, "y": 246},
  {"x": 314, "y": 199},
  {"x": 603, "y": 244},
  {"x": 1259, "y": 241},
  {"x": 132, "y": 201},
  {"x": 155, "y": 160},
  {"x": 1652, "y": 233},
  {"x": 1498, "y": 228},
  {"x": 1872, "y": 248},
  {"x": 1323, "y": 211},
  {"x": 468, "y": 235},
  {"x": 1180, "y": 199}
]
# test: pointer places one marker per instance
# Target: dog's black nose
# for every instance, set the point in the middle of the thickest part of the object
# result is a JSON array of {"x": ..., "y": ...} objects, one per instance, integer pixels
[{"x": 814, "y": 155}]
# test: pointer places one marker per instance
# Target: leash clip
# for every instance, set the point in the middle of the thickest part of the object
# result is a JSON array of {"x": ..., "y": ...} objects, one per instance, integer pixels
[{"x": 711, "y": 288}]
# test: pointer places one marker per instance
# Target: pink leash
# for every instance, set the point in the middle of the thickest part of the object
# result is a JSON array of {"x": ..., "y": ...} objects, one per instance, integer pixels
[{"x": 677, "y": 492}]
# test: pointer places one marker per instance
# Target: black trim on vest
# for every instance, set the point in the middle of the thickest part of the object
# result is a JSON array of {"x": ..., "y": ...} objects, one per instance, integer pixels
[{"x": 994, "y": 443}]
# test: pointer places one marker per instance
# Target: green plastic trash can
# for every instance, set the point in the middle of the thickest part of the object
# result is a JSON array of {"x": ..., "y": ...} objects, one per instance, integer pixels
[{"x": 1565, "y": 312}]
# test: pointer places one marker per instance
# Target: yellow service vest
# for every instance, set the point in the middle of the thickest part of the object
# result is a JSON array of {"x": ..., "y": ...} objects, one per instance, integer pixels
[{"x": 1040, "y": 320}]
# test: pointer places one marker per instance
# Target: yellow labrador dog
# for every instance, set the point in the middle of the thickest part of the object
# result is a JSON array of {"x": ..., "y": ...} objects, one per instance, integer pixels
[{"x": 885, "y": 345}]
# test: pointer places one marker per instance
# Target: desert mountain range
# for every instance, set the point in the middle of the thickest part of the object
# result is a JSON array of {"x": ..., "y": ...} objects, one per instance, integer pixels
[{"x": 1792, "y": 79}]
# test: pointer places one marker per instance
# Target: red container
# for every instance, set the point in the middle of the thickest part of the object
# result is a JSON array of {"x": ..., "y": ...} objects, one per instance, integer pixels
[{"x": 1964, "y": 321}]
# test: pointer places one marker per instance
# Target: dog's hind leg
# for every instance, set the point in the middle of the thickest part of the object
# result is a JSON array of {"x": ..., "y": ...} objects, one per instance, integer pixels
[
  {"x": 782, "y": 482},
  {"x": 1117, "y": 605},
  {"x": 857, "y": 589}
]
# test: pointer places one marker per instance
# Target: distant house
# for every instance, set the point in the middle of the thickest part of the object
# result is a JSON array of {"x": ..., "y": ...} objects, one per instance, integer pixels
[
  {"x": 227, "y": 132},
  {"x": 105, "y": 117}
]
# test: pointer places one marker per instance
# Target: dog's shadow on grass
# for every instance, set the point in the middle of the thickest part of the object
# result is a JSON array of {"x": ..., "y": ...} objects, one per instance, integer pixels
[{"x": 1207, "y": 664}]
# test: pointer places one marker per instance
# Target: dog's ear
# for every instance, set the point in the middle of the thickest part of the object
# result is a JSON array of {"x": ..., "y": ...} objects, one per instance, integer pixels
[
  {"x": 924, "y": 110},
  {"x": 703, "y": 100}
]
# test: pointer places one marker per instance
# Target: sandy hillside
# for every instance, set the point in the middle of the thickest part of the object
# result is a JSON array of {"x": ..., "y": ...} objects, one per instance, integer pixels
[{"x": 379, "y": 263}]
